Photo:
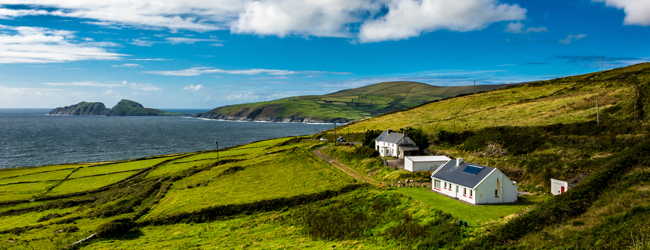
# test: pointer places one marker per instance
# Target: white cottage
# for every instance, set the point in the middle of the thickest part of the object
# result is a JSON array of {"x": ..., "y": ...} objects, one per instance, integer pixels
[
  {"x": 424, "y": 163},
  {"x": 558, "y": 187},
  {"x": 391, "y": 144},
  {"x": 474, "y": 183}
]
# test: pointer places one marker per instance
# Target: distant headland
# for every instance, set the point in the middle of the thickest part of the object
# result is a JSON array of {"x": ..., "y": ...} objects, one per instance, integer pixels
[{"x": 122, "y": 108}]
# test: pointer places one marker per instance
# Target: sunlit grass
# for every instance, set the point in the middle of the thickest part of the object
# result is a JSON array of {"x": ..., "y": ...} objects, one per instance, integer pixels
[{"x": 88, "y": 183}]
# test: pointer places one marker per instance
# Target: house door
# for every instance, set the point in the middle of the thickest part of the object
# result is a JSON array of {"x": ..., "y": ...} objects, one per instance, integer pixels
[
  {"x": 457, "y": 190},
  {"x": 562, "y": 189}
]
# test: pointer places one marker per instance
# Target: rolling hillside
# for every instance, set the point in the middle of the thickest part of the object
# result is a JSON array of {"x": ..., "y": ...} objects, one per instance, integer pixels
[
  {"x": 342, "y": 106},
  {"x": 277, "y": 194}
]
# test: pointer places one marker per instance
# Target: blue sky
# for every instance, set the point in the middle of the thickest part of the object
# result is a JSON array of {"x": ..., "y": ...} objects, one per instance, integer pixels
[{"x": 205, "y": 54}]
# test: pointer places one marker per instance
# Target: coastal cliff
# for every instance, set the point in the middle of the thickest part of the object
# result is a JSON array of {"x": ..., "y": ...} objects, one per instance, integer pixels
[{"x": 122, "y": 108}]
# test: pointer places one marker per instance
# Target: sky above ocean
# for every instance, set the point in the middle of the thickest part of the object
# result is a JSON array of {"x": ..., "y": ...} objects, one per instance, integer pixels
[{"x": 205, "y": 54}]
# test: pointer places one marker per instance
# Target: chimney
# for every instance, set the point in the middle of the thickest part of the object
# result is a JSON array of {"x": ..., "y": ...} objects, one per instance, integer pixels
[
  {"x": 459, "y": 161},
  {"x": 406, "y": 134},
  {"x": 390, "y": 131}
]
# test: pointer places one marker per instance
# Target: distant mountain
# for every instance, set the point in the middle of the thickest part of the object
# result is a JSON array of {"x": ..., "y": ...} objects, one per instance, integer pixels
[
  {"x": 342, "y": 106},
  {"x": 122, "y": 108}
]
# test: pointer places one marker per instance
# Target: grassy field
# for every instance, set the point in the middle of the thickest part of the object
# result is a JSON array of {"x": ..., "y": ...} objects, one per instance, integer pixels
[
  {"x": 277, "y": 194},
  {"x": 474, "y": 215},
  {"x": 346, "y": 105},
  {"x": 266, "y": 177}
]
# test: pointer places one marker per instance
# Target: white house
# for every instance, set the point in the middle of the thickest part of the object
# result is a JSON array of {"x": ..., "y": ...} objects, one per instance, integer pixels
[
  {"x": 473, "y": 183},
  {"x": 394, "y": 144},
  {"x": 424, "y": 163},
  {"x": 559, "y": 187}
]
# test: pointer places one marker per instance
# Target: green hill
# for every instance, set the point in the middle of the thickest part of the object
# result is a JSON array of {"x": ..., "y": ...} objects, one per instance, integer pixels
[
  {"x": 343, "y": 106},
  {"x": 278, "y": 194},
  {"x": 122, "y": 108}
]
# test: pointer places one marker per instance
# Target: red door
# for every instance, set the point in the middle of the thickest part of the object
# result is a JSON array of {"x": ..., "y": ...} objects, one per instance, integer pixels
[{"x": 562, "y": 190}]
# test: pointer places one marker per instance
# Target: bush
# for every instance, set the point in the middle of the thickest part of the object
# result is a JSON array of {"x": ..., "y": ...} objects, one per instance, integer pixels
[
  {"x": 367, "y": 152},
  {"x": 370, "y": 136},
  {"x": 115, "y": 227}
]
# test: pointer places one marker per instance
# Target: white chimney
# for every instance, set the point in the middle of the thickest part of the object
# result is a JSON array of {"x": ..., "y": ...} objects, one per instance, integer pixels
[{"x": 459, "y": 161}]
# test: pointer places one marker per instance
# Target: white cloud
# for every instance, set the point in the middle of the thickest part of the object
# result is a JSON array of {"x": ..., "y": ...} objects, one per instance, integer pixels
[
  {"x": 170, "y": 14},
  {"x": 365, "y": 20},
  {"x": 10, "y": 13},
  {"x": 205, "y": 70},
  {"x": 637, "y": 12},
  {"x": 41, "y": 45},
  {"x": 142, "y": 42},
  {"x": 571, "y": 38},
  {"x": 128, "y": 65},
  {"x": 249, "y": 96},
  {"x": 410, "y": 18},
  {"x": 194, "y": 88},
  {"x": 144, "y": 87},
  {"x": 309, "y": 18},
  {"x": 85, "y": 84},
  {"x": 187, "y": 40},
  {"x": 518, "y": 28}
]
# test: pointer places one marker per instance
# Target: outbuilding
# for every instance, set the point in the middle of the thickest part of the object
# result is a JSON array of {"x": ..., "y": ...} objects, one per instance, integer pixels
[
  {"x": 473, "y": 183},
  {"x": 424, "y": 163},
  {"x": 558, "y": 187}
]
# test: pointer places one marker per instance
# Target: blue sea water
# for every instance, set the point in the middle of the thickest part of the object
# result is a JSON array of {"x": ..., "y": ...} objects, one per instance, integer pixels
[{"x": 30, "y": 137}]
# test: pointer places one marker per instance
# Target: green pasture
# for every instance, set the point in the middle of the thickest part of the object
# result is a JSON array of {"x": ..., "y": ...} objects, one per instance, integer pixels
[
  {"x": 88, "y": 183},
  {"x": 117, "y": 167},
  {"x": 24, "y": 191},
  {"x": 271, "y": 176},
  {"x": 45, "y": 176},
  {"x": 474, "y": 215},
  {"x": 14, "y": 172}
]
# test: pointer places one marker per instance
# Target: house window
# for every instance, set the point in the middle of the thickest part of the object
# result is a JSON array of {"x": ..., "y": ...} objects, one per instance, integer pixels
[
  {"x": 464, "y": 191},
  {"x": 495, "y": 192},
  {"x": 470, "y": 193},
  {"x": 436, "y": 184},
  {"x": 445, "y": 185}
]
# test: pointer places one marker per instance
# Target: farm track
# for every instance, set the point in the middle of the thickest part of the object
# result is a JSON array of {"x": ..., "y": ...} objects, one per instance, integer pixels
[{"x": 348, "y": 170}]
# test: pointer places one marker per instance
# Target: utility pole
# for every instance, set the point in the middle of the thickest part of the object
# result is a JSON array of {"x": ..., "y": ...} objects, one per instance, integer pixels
[
  {"x": 474, "y": 87},
  {"x": 348, "y": 133},
  {"x": 216, "y": 140},
  {"x": 597, "y": 112},
  {"x": 335, "y": 133},
  {"x": 602, "y": 62}
]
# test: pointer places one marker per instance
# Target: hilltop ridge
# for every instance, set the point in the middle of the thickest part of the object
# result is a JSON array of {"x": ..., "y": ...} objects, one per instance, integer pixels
[{"x": 342, "y": 106}]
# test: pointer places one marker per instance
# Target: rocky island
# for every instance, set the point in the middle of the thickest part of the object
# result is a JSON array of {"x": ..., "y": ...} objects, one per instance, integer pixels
[{"x": 122, "y": 108}]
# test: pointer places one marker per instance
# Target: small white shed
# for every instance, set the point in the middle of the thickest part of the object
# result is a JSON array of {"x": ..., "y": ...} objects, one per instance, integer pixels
[
  {"x": 424, "y": 163},
  {"x": 558, "y": 187}
]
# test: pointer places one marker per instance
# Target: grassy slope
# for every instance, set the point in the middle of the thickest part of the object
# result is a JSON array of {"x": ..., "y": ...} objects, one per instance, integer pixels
[
  {"x": 351, "y": 104},
  {"x": 549, "y": 131},
  {"x": 185, "y": 205}
]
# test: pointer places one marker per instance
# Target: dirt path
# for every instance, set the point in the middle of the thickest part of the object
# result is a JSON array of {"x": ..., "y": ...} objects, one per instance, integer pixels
[{"x": 344, "y": 168}]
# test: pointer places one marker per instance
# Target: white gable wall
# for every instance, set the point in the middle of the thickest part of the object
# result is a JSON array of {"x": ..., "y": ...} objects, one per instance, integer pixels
[
  {"x": 556, "y": 186},
  {"x": 485, "y": 191},
  {"x": 386, "y": 149}
]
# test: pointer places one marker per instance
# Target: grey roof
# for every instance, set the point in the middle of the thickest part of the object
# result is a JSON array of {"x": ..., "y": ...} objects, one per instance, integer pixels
[
  {"x": 454, "y": 174},
  {"x": 392, "y": 137},
  {"x": 409, "y": 148}
]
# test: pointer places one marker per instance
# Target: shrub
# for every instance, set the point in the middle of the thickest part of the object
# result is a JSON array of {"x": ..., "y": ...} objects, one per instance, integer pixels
[{"x": 367, "y": 152}]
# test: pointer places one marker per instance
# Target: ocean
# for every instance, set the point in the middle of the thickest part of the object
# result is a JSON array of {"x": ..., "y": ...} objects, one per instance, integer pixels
[{"x": 30, "y": 137}]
